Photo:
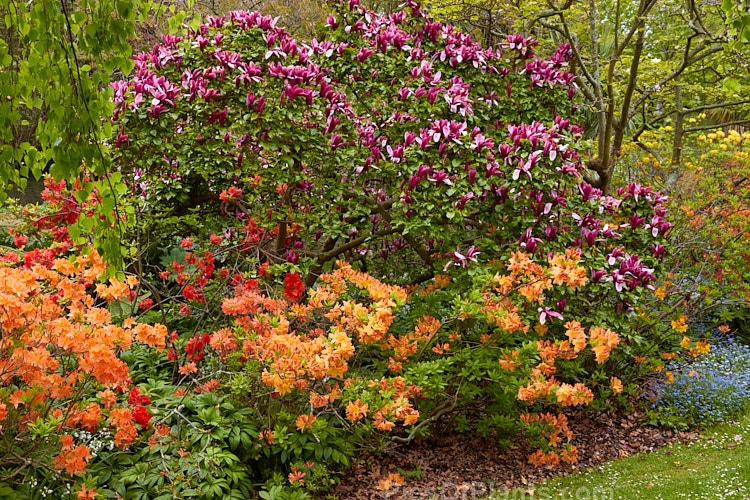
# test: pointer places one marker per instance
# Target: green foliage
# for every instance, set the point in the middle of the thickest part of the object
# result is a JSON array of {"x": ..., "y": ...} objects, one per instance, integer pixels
[{"x": 56, "y": 60}]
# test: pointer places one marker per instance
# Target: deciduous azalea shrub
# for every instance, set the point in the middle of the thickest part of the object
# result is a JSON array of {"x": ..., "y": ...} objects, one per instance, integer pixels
[
  {"x": 391, "y": 136},
  {"x": 707, "y": 278},
  {"x": 59, "y": 368}
]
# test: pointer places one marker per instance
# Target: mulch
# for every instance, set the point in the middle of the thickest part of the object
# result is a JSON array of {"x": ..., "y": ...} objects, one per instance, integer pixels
[{"x": 466, "y": 466}]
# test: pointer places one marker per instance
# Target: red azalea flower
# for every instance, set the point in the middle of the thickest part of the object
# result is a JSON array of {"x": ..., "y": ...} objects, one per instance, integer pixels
[
  {"x": 216, "y": 239},
  {"x": 20, "y": 240},
  {"x": 141, "y": 416},
  {"x": 293, "y": 287},
  {"x": 136, "y": 398}
]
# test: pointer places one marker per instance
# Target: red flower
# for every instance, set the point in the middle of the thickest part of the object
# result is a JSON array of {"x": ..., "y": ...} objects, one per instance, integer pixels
[
  {"x": 20, "y": 240},
  {"x": 194, "y": 347},
  {"x": 293, "y": 287},
  {"x": 230, "y": 194},
  {"x": 186, "y": 243},
  {"x": 146, "y": 304},
  {"x": 141, "y": 416},
  {"x": 136, "y": 398},
  {"x": 264, "y": 270}
]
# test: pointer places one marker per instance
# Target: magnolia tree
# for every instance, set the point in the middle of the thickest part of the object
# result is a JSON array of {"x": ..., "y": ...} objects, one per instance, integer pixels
[
  {"x": 394, "y": 132},
  {"x": 405, "y": 146}
]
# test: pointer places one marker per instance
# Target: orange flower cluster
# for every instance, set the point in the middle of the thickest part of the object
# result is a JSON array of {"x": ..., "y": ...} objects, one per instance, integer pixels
[
  {"x": 56, "y": 340},
  {"x": 529, "y": 280},
  {"x": 122, "y": 420},
  {"x": 64, "y": 323},
  {"x": 564, "y": 269},
  {"x": 407, "y": 344},
  {"x": 543, "y": 384},
  {"x": 397, "y": 406},
  {"x": 72, "y": 459},
  {"x": 602, "y": 342},
  {"x": 370, "y": 322},
  {"x": 328, "y": 326},
  {"x": 553, "y": 429}
]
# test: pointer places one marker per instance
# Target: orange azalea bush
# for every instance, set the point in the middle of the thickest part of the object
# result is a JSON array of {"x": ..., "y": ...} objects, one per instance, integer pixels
[
  {"x": 304, "y": 350},
  {"x": 366, "y": 354},
  {"x": 59, "y": 362}
]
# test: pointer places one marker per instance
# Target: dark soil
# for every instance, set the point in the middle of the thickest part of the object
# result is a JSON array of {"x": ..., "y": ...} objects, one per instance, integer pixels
[{"x": 467, "y": 466}]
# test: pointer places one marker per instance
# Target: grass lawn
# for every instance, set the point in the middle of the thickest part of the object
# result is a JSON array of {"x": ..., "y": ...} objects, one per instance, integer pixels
[{"x": 715, "y": 467}]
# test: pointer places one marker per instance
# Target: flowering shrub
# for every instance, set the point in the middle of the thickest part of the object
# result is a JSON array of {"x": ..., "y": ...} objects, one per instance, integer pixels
[
  {"x": 391, "y": 135},
  {"x": 256, "y": 161},
  {"x": 410, "y": 367},
  {"x": 320, "y": 154},
  {"x": 714, "y": 387},
  {"x": 59, "y": 368},
  {"x": 708, "y": 270}
]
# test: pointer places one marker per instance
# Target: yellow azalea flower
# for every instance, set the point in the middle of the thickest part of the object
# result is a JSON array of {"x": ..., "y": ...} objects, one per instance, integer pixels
[
  {"x": 660, "y": 293},
  {"x": 670, "y": 377},
  {"x": 685, "y": 344},
  {"x": 616, "y": 385},
  {"x": 679, "y": 326}
]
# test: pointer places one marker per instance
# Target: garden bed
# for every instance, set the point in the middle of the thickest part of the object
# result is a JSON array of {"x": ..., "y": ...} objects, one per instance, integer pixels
[{"x": 457, "y": 464}]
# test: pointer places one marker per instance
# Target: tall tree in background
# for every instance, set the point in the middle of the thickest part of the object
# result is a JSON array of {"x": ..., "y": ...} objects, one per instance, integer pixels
[
  {"x": 56, "y": 60},
  {"x": 639, "y": 62}
]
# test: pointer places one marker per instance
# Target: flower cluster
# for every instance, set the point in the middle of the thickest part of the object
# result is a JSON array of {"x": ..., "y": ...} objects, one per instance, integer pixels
[
  {"x": 300, "y": 360},
  {"x": 59, "y": 341}
]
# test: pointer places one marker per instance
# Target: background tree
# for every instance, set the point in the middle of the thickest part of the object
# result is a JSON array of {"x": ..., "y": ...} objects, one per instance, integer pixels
[
  {"x": 635, "y": 60},
  {"x": 56, "y": 61}
]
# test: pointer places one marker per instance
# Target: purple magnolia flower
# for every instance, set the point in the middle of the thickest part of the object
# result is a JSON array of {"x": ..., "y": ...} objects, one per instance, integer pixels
[
  {"x": 544, "y": 313},
  {"x": 460, "y": 259}
]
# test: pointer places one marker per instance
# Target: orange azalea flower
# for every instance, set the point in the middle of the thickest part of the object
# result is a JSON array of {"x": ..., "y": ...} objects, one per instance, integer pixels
[
  {"x": 86, "y": 494},
  {"x": 297, "y": 476},
  {"x": 569, "y": 456},
  {"x": 188, "y": 368},
  {"x": 509, "y": 361},
  {"x": 356, "y": 410},
  {"x": 109, "y": 398},
  {"x": 305, "y": 422},
  {"x": 382, "y": 424},
  {"x": 73, "y": 460},
  {"x": 576, "y": 335}
]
